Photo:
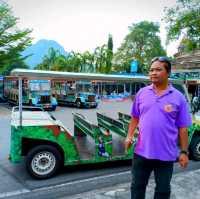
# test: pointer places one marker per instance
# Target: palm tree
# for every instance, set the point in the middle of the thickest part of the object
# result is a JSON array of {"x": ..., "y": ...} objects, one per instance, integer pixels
[{"x": 100, "y": 55}]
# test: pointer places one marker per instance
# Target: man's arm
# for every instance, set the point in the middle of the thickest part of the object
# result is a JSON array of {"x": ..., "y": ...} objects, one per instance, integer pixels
[
  {"x": 131, "y": 130},
  {"x": 183, "y": 136}
]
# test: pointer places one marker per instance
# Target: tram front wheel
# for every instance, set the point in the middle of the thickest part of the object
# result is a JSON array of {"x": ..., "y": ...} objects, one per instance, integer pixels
[{"x": 43, "y": 161}]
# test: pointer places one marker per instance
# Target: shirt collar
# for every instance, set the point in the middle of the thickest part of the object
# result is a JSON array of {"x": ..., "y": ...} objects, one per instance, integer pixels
[{"x": 170, "y": 88}]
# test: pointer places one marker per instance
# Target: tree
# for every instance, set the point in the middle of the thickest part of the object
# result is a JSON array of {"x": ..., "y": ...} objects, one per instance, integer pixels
[
  {"x": 99, "y": 61},
  {"x": 53, "y": 60},
  {"x": 60, "y": 63},
  {"x": 87, "y": 62},
  {"x": 183, "y": 20},
  {"x": 49, "y": 60},
  {"x": 74, "y": 62},
  {"x": 141, "y": 44},
  {"x": 12, "y": 40},
  {"x": 100, "y": 57},
  {"x": 109, "y": 54},
  {"x": 103, "y": 57}
]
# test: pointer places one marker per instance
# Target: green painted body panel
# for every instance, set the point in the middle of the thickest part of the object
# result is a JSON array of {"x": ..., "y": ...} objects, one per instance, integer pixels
[
  {"x": 15, "y": 144},
  {"x": 42, "y": 133},
  {"x": 195, "y": 128}
]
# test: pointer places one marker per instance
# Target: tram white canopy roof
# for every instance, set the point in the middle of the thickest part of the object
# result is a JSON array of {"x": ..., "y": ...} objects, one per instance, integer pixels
[
  {"x": 70, "y": 75},
  {"x": 42, "y": 74}
]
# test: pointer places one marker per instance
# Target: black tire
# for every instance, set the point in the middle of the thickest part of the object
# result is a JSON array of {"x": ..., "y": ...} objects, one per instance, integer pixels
[
  {"x": 53, "y": 108},
  {"x": 195, "y": 148},
  {"x": 95, "y": 106},
  {"x": 30, "y": 103},
  {"x": 78, "y": 103},
  {"x": 51, "y": 158}
]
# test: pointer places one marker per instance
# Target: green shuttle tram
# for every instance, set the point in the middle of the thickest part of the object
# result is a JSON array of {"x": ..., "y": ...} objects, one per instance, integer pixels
[{"x": 47, "y": 144}]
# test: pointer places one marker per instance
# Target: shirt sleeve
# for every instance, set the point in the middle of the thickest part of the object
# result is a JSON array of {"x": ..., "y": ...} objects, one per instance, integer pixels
[
  {"x": 184, "y": 118},
  {"x": 135, "y": 111}
]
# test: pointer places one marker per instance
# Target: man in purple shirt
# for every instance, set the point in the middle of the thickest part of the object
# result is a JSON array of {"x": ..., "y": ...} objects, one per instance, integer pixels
[{"x": 161, "y": 113}]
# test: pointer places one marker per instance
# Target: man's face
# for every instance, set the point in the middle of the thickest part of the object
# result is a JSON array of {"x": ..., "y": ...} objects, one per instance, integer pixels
[{"x": 158, "y": 73}]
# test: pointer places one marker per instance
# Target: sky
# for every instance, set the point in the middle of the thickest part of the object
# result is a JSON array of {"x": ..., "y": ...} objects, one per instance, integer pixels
[{"x": 82, "y": 25}]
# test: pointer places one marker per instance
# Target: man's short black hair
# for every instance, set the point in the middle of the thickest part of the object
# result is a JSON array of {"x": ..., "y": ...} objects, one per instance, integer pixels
[{"x": 166, "y": 60}]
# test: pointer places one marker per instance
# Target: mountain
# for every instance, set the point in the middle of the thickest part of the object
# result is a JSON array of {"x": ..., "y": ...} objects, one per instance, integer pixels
[{"x": 39, "y": 49}]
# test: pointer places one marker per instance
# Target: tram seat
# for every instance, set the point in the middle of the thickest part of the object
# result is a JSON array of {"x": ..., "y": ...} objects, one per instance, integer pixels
[{"x": 111, "y": 124}]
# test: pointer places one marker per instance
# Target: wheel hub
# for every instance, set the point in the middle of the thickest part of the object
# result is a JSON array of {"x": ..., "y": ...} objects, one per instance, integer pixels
[{"x": 43, "y": 163}]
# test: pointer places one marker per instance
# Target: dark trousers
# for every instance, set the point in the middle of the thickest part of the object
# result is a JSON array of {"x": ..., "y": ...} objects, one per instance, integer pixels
[{"x": 141, "y": 171}]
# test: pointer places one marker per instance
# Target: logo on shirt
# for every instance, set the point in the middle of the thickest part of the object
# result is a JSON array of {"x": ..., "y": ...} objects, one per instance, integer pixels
[{"x": 168, "y": 108}]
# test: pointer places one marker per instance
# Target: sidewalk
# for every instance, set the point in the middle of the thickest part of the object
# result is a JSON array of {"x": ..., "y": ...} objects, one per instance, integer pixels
[{"x": 185, "y": 185}]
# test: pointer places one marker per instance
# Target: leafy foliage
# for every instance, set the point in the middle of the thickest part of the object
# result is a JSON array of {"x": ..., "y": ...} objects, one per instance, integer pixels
[
  {"x": 141, "y": 44},
  {"x": 109, "y": 55},
  {"x": 184, "y": 21},
  {"x": 50, "y": 60},
  {"x": 99, "y": 61},
  {"x": 12, "y": 40}
]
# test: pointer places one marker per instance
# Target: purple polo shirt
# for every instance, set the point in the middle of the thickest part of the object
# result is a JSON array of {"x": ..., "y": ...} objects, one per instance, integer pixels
[{"x": 160, "y": 117}]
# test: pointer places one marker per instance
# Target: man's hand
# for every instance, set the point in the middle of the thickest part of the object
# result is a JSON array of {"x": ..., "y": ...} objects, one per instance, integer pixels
[
  {"x": 131, "y": 130},
  {"x": 183, "y": 160},
  {"x": 128, "y": 143},
  {"x": 183, "y": 136}
]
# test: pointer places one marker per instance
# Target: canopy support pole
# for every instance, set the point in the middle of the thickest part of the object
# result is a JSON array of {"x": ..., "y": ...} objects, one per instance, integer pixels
[{"x": 20, "y": 100}]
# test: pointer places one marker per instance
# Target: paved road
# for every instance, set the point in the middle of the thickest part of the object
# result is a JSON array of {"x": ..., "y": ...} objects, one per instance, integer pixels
[
  {"x": 17, "y": 184},
  {"x": 185, "y": 185},
  {"x": 4, "y": 130}
]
